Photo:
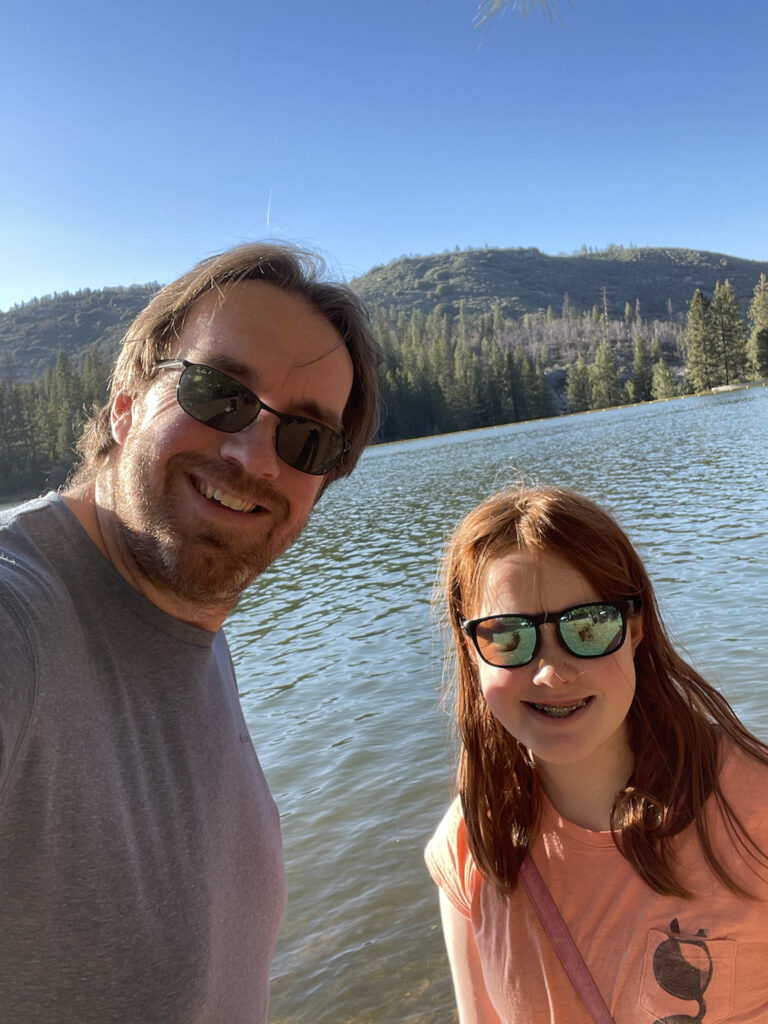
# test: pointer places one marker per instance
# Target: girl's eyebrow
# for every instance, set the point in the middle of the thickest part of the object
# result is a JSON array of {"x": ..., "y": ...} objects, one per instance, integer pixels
[{"x": 249, "y": 377}]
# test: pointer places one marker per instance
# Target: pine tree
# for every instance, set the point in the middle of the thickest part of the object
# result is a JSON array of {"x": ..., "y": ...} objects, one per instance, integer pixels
[
  {"x": 604, "y": 378},
  {"x": 728, "y": 333},
  {"x": 578, "y": 388},
  {"x": 495, "y": 399},
  {"x": 465, "y": 393},
  {"x": 757, "y": 346},
  {"x": 700, "y": 343},
  {"x": 663, "y": 384},
  {"x": 641, "y": 372}
]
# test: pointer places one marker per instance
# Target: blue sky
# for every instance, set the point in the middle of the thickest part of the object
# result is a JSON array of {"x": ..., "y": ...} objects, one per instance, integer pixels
[{"x": 139, "y": 138}]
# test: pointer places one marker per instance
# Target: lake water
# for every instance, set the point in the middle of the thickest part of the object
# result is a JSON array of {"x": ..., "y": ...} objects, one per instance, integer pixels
[{"x": 339, "y": 665}]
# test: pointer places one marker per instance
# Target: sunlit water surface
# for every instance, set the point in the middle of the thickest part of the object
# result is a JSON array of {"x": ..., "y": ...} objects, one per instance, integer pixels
[{"x": 339, "y": 662}]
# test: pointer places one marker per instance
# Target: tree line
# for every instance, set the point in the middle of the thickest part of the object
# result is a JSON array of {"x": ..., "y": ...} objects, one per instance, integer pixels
[{"x": 444, "y": 372}]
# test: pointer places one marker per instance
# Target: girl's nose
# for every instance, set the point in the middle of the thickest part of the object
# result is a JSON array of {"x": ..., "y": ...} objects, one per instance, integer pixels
[{"x": 553, "y": 664}]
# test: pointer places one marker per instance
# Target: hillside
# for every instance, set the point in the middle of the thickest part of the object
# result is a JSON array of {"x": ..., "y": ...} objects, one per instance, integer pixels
[
  {"x": 32, "y": 334},
  {"x": 526, "y": 280},
  {"x": 520, "y": 280}
]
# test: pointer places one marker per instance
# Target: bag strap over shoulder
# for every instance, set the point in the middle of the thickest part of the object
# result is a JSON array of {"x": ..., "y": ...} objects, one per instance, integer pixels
[{"x": 565, "y": 947}]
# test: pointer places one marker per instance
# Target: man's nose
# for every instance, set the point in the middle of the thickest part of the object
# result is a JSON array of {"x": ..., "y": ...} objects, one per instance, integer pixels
[{"x": 253, "y": 448}]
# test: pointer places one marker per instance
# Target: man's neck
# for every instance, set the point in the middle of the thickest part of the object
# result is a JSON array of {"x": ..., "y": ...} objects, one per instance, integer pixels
[{"x": 100, "y": 523}]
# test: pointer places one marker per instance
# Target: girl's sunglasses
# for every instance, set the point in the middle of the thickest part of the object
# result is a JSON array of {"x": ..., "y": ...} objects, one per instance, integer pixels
[
  {"x": 219, "y": 401},
  {"x": 586, "y": 631}
]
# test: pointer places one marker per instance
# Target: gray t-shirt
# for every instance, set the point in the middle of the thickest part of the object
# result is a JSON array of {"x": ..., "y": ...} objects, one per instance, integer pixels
[{"x": 141, "y": 871}]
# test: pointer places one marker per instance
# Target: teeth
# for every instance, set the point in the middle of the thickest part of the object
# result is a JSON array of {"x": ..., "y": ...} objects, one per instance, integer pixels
[
  {"x": 216, "y": 494},
  {"x": 559, "y": 711}
]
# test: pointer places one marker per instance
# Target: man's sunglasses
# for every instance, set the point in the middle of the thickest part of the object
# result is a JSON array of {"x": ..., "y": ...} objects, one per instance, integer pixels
[
  {"x": 586, "y": 631},
  {"x": 221, "y": 402}
]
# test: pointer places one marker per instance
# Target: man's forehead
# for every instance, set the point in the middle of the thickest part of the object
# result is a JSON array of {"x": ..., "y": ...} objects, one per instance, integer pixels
[
  {"x": 271, "y": 338},
  {"x": 258, "y": 307}
]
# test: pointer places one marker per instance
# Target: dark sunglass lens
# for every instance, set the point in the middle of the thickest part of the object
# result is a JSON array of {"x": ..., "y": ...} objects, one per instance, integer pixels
[
  {"x": 308, "y": 446},
  {"x": 592, "y": 630},
  {"x": 217, "y": 400},
  {"x": 507, "y": 641}
]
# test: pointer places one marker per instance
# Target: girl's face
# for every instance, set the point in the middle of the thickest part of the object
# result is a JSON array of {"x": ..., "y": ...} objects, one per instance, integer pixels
[{"x": 566, "y": 710}]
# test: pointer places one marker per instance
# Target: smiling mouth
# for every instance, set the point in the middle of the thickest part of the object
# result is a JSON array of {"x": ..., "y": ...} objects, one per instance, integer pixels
[
  {"x": 227, "y": 500},
  {"x": 559, "y": 710}
]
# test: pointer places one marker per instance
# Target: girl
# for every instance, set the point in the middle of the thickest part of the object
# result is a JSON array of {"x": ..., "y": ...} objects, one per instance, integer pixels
[{"x": 591, "y": 748}]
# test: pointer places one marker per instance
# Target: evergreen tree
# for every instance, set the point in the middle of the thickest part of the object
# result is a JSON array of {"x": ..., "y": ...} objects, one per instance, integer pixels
[
  {"x": 702, "y": 362},
  {"x": 544, "y": 404},
  {"x": 578, "y": 389},
  {"x": 465, "y": 397},
  {"x": 757, "y": 346},
  {"x": 663, "y": 384},
  {"x": 604, "y": 378},
  {"x": 496, "y": 398},
  {"x": 641, "y": 372},
  {"x": 728, "y": 333},
  {"x": 513, "y": 385}
]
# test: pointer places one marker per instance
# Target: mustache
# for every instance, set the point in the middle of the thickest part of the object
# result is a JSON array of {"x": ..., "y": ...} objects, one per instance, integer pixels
[{"x": 231, "y": 479}]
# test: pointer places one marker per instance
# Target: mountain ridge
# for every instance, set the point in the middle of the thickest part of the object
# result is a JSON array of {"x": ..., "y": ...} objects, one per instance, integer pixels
[
  {"x": 659, "y": 282},
  {"x": 525, "y": 280}
]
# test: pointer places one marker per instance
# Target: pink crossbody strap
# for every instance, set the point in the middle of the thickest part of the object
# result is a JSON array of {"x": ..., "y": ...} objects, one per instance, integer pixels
[{"x": 565, "y": 947}]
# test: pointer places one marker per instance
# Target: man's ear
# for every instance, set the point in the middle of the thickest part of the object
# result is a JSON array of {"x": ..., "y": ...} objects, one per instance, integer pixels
[{"x": 121, "y": 416}]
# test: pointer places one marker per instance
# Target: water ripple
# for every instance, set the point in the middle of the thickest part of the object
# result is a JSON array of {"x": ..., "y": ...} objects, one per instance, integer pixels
[{"x": 340, "y": 664}]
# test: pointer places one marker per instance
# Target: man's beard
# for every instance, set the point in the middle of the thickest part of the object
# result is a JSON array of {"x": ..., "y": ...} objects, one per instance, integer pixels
[{"x": 203, "y": 564}]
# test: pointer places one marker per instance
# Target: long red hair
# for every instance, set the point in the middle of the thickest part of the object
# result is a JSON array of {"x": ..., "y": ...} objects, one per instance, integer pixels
[{"x": 674, "y": 745}]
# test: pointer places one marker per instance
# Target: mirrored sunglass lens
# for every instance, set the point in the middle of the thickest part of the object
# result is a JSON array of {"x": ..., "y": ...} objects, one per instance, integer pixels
[
  {"x": 593, "y": 630},
  {"x": 308, "y": 446},
  {"x": 506, "y": 641},
  {"x": 217, "y": 400}
]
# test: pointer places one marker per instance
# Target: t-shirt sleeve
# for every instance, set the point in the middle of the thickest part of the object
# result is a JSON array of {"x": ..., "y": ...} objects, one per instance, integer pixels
[
  {"x": 450, "y": 862},
  {"x": 16, "y": 674}
]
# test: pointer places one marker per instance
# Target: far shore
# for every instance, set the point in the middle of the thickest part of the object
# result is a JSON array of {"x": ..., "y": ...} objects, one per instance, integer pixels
[{"x": 16, "y": 499}]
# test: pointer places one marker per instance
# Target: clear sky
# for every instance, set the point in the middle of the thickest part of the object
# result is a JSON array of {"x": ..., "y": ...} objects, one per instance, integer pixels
[{"x": 138, "y": 138}]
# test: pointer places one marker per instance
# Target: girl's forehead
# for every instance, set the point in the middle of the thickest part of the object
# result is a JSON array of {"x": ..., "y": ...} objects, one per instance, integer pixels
[{"x": 531, "y": 581}]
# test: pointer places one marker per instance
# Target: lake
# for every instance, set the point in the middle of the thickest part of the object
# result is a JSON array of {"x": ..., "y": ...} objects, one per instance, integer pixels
[{"x": 339, "y": 663}]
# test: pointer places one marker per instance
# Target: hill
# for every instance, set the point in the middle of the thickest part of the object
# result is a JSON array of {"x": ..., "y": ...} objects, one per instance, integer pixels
[
  {"x": 520, "y": 280},
  {"x": 526, "y": 280},
  {"x": 33, "y": 333}
]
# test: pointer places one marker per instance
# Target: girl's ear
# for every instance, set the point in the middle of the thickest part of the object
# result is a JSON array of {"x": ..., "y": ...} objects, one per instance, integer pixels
[
  {"x": 121, "y": 416},
  {"x": 635, "y": 626},
  {"x": 470, "y": 648}
]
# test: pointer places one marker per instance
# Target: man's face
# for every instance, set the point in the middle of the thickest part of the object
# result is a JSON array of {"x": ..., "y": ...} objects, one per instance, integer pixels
[{"x": 201, "y": 513}]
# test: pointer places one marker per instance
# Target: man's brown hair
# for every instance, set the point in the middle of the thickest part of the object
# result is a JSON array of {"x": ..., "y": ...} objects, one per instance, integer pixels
[{"x": 153, "y": 335}]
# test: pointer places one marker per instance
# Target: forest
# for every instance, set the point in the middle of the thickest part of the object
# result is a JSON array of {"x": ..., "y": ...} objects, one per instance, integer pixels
[{"x": 448, "y": 369}]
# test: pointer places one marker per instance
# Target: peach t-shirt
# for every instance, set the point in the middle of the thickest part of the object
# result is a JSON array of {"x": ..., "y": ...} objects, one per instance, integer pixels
[{"x": 655, "y": 958}]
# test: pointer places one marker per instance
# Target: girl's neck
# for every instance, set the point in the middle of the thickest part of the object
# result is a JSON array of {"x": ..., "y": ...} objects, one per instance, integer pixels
[{"x": 585, "y": 793}]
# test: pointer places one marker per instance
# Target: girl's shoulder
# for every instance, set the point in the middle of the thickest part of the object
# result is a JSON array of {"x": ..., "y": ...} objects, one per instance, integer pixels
[
  {"x": 450, "y": 862},
  {"x": 740, "y": 772},
  {"x": 738, "y": 816}
]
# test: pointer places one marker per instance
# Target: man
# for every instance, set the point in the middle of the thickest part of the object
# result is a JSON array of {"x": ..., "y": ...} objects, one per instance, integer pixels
[{"x": 141, "y": 874}]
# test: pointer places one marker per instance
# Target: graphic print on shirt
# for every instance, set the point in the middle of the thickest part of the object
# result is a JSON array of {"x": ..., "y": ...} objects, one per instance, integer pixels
[{"x": 683, "y": 968}]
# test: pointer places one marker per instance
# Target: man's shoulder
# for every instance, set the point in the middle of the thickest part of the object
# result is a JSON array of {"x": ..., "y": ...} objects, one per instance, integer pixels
[
  {"x": 33, "y": 555},
  {"x": 29, "y": 521}
]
